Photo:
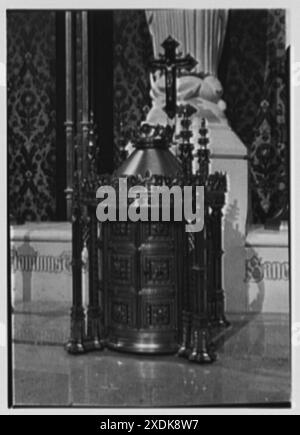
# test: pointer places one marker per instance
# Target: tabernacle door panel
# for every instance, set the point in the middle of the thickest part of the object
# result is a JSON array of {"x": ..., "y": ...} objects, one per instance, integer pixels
[
  {"x": 142, "y": 292},
  {"x": 158, "y": 292}
]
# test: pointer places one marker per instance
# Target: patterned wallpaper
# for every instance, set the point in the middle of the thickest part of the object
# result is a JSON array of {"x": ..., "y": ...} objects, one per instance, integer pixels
[
  {"x": 31, "y": 93},
  {"x": 253, "y": 73},
  {"x": 270, "y": 148}
]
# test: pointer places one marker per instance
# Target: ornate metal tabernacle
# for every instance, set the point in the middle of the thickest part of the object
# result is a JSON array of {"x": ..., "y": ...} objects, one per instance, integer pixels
[{"x": 153, "y": 288}]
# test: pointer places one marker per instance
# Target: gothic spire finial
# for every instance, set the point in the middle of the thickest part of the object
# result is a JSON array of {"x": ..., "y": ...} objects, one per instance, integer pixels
[
  {"x": 203, "y": 152},
  {"x": 186, "y": 147}
]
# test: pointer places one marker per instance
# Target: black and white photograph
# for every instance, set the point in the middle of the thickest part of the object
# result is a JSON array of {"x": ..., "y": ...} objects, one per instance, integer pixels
[{"x": 149, "y": 207}]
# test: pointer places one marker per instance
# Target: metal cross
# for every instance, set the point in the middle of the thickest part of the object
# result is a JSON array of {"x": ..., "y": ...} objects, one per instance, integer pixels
[{"x": 170, "y": 63}]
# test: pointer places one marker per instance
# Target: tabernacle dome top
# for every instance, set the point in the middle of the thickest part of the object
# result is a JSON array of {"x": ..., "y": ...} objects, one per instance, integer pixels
[{"x": 152, "y": 154}]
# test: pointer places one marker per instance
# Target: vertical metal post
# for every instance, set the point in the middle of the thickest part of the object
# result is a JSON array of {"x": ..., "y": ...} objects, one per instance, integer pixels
[
  {"x": 200, "y": 339},
  {"x": 218, "y": 297},
  {"x": 76, "y": 342},
  {"x": 94, "y": 313},
  {"x": 69, "y": 123},
  {"x": 85, "y": 91}
]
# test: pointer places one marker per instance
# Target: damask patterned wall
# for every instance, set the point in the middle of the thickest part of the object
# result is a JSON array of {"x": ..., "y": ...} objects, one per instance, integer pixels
[
  {"x": 270, "y": 149},
  {"x": 255, "y": 79},
  {"x": 31, "y": 114},
  {"x": 32, "y": 118}
]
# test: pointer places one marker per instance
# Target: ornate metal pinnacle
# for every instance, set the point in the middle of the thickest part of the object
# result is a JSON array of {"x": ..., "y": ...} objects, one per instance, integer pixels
[
  {"x": 186, "y": 147},
  {"x": 122, "y": 142},
  {"x": 93, "y": 151},
  {"x": 203, "y": 153},
  {"x": 150, "y": 135},
  {"x": 203, "y": 141}
]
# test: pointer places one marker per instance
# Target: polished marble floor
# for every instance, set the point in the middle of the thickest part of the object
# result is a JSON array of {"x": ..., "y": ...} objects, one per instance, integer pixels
[{"x": 253, "y": 368}]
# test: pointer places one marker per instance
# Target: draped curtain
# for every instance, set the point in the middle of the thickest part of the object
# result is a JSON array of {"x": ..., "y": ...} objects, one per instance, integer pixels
[
  {"x": 200, "y": 33},
  {"x": 132, "y": 51}
]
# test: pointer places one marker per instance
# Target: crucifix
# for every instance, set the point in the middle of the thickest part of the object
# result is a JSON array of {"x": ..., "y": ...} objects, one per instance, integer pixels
[{"x": 170, "y": 63}]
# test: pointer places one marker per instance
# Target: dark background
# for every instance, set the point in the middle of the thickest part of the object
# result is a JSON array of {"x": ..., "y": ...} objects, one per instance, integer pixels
[{"x": 253, "y": 70}]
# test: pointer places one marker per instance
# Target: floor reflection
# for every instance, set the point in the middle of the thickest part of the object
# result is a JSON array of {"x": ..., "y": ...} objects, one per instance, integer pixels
[{"x": 253, "y": 367}]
